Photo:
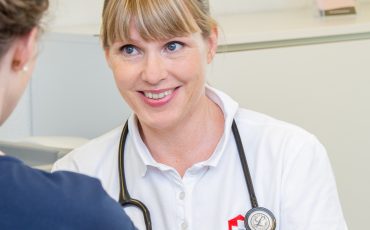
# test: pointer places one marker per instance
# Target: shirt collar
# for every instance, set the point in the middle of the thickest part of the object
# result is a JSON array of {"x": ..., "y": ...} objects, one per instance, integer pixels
[
  {"x": 229, "y": 108},
  {"x": 146, "y": 159}
]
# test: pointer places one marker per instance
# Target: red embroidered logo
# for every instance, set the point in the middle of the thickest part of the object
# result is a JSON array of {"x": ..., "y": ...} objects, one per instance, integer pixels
[{"x": 237, "y": 223}]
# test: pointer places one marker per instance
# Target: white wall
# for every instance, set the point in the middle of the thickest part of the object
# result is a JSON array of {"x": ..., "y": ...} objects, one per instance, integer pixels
[
  {"x": 235, "y": 6},
  {"x": 72, "y": 12}
]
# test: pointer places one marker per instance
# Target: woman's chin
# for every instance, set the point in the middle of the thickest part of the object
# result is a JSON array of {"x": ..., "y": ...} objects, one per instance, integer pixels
[{"x": 158, "y": 122}]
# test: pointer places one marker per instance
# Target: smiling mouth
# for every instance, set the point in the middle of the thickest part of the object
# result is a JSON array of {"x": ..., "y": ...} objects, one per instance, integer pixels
[{"x": 158, "y": 96}]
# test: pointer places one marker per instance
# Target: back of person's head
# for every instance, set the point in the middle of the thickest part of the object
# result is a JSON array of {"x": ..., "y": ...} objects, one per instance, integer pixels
[
  {"x": 154, "y": 19},
  {"x": 17, "y": 18},
  {"x": 19, "y": 29}
]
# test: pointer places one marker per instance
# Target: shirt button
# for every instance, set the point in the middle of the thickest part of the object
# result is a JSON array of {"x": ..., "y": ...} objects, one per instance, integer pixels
[
  {"x": 182, "y": 195},
  {"x": 184, "y": 226}
]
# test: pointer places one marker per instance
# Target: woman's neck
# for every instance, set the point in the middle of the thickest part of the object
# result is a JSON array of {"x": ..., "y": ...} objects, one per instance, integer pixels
[{"x": 193, "y": 140}]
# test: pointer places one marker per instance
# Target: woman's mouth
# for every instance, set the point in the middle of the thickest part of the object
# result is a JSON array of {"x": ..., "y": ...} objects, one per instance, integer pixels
[{"x": 158, "y": 96}]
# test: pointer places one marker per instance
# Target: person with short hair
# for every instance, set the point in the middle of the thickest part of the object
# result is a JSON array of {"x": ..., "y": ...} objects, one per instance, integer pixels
[{"x": 29, "y": 198}]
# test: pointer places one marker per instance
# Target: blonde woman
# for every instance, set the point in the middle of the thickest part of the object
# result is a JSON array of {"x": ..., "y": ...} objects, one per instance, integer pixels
[
  {"x": 31, "y": 199},
  {"x": 179, "y": 162}
]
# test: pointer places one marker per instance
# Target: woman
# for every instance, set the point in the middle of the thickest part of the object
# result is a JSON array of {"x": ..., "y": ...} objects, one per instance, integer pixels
[
  {"x": 32, "y": 199},
  {"x": 180, "y": 155}
]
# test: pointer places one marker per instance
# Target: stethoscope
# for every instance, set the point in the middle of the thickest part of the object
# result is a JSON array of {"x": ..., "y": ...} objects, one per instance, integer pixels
[{"x": 257, "y": 218}]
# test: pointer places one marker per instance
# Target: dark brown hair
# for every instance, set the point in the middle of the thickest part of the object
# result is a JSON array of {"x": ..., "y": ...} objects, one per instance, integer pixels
[{"x": 17, "y": 18}]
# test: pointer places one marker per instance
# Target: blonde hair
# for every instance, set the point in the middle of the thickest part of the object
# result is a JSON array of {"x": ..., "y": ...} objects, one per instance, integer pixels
[{"x": 154, "y": 19}]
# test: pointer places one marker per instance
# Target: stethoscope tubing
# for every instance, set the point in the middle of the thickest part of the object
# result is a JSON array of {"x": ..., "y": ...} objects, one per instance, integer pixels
[
  {"x": 124, "y": 196},
  {"x": 126, "y": 200},
  {"x": 243, "y": 160}
]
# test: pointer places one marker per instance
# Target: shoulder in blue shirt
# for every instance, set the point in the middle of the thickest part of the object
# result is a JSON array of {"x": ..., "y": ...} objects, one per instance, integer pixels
[{"x": 32, "y": 199}]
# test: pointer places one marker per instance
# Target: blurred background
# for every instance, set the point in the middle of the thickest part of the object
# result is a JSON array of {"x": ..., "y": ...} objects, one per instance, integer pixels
[{"x": 278, "y": 57}]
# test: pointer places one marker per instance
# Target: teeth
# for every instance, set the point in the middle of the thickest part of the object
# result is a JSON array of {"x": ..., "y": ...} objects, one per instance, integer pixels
[{"x": 157, "y": 96}]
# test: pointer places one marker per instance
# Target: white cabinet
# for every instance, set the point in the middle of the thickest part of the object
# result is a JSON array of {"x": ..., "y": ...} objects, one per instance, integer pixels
[
  {"x": 323, "y": 88},
  {"x": 73, "y": 91},
  {"x": 310, "y": 71}
]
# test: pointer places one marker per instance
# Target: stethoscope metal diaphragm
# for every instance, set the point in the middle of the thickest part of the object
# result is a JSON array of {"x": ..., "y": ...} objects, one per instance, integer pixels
[{"x": 259, "y": 219}]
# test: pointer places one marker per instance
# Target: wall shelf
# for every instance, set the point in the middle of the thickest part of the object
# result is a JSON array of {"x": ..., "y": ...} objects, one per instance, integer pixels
[{"x": 291, "y": 28}]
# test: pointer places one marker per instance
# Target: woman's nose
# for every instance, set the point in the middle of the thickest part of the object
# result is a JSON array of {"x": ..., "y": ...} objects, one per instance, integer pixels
[{"x": 154, "y": 69}]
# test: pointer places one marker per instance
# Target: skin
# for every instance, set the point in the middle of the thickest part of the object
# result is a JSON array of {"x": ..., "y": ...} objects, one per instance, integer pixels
[
  {"x": 183, "y": 127},
  {"x": 13, "y": 76}
]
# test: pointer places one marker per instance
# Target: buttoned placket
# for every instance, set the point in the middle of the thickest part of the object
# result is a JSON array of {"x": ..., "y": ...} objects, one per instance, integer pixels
[
  {"x": 183, "y": 188},
  {"x": 181, "y": 200},
  {"x": 184, "y": 196},
  {"x": 180, "y": 193}
]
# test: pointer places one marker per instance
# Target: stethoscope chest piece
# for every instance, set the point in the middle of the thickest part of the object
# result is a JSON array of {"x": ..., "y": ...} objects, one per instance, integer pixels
[{"x": 259, "y": 219}]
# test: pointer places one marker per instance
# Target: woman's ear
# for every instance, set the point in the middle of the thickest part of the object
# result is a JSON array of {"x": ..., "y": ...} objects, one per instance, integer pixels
[
  {"x": 24, "y": 50},
  {"x": 212, "y": 44}
]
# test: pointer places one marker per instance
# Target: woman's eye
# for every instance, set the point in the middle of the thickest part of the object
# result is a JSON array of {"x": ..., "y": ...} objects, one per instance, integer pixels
[
  {"x": 174, "y": 46},
  {"x": 129, "y": 50}
]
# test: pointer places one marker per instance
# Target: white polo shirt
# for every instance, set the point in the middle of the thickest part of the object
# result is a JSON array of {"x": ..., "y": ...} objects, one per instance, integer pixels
[{"x": 291, "y": 174}]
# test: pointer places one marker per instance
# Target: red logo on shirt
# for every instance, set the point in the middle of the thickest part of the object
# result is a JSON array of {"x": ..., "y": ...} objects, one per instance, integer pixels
[{"x": 237, "y": 223}]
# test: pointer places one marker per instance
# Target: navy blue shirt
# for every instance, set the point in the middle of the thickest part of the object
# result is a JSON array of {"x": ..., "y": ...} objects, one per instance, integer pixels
[{"x": 32, "y": 199}]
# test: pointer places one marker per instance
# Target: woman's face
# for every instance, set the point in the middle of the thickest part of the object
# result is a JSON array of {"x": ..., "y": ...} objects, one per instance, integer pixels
[{"x": 162, "y": 81}]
